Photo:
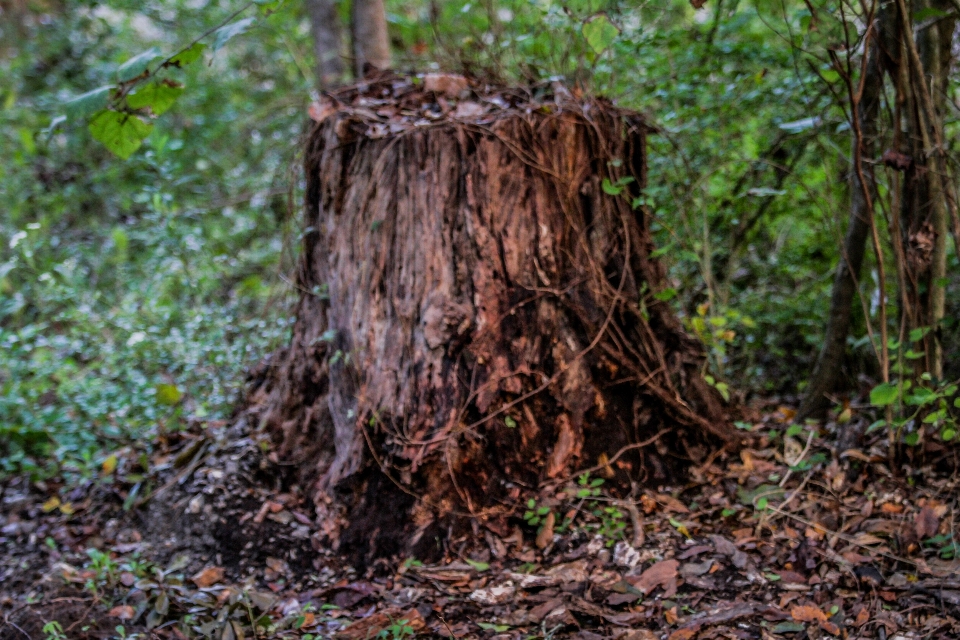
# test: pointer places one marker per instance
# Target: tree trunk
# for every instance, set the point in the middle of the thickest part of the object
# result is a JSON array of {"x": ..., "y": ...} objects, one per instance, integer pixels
[
  {"x": 924, "y": 217},
  {"x": 478, "y": 317},
  {"x": 827, "y": 372},
  {"x": 371, "y": 43},
  {"x": 327, "y": 43}
]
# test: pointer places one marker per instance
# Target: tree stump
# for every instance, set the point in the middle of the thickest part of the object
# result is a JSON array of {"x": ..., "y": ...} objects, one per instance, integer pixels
[{"x": 479, "y": 313}]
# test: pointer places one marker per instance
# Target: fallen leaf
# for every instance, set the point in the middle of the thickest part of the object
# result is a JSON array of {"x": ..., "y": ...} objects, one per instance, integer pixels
[
  {"x": 926, "y": 523},
  {"x": 494, "y": 595},
  {"x": 449, "y": 84},
  {"x": 807, "y": 613},
  {"x": 670, "y": 615},
  {"x": 661, "y": 574},
  {"x": 370, "y": 627},
  {"x": 569, "y": 573},
  {"x": 208, "y": 576},
  {"x": 696, "y": 568},
  {"x": 123, "y": 612},
  {"x": 51, "y": 504},
  {"x": 671, "y": 504},
  {"x": 109, "y": 465},
  {"x": 545, "y": 537}
]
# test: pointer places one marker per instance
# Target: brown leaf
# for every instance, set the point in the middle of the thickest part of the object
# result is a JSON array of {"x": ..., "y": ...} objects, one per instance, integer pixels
[
  {"x": 830, "y": 628},
  {"x": 208, "y": 577},
  {"x": 662, "y": 574},
  {"x": 696, "y": 4},
  {"x": 862, "y": 617},
  {"x": 926, "y": 523},
  {"x": 449, "y": 84},
  {"x": 545, "y": 537},
  {"x": 123, "y": 612},
  {"x": 670, "y": 615},
  {"x": 370, "y": 627},
  {"x": 808, "y": 613},
  {"x": 683, "y": 634},
  {"x": 671, "y": 504}
]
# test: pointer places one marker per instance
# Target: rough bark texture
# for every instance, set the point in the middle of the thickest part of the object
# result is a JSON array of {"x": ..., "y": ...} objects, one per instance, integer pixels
[
  {"x": 327, "y": 42},
  {"x": 478, "y": 313}
]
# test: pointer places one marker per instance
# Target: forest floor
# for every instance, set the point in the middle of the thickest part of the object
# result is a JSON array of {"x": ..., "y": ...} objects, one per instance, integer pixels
[{"x": 205, "y": 536}]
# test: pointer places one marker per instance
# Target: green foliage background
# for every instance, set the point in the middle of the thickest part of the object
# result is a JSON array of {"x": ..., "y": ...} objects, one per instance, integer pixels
[{"x": 120, "y": 281}]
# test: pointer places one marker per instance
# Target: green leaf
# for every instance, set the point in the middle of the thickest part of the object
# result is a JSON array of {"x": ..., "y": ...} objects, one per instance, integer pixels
[
  {"x": 488, "y": 626},
  {"x": 948, "y": 434},
  {"x": 188, "y": 55},
  {"x": 879, "y": 424},
  {"x": 120, "y": 133},
  {"x": 168, "y": 394},
  {"x": 662, "y": 251},
  {"x": 268, "y": 6},
  {"x": 911, "y": 439},
  {"x": 919, "y": 397},
  {"x": 479, "y": 566},
  {"x": 830, "y": 75},
  {"x": 510, "y": 422},
  {"x": 600, "y": 33},
  {"x": 928, "y": 12},
  {"x": 157, "y": 96},
  {"x": 611, "y": 189},
  {"x": 89, "y": 102},
  {"x": 136, "y": 65},
  {"x": 667, "y": 294},
  {"x": 227, "y": 32},
  {"x": 884, "y": 395}
]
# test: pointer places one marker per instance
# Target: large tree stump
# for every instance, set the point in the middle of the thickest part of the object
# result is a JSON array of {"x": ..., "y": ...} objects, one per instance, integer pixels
[{"x": 478, "y": 312}]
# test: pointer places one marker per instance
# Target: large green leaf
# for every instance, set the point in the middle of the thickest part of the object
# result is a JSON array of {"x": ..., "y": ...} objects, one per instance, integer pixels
[
  {"x": 136, "y": 65},
  {"x": 89, "y": 102},
  {"x": 884, "y": 395},
  {"x": 600, "y": 32},
  {"x": 225, "y": 33},
  {"x": 157, "y": 96},
  {"x": 120, "y": 133}
]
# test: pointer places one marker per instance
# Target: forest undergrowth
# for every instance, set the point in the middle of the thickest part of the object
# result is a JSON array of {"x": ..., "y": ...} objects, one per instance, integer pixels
[{"x": 795, "y": 537}]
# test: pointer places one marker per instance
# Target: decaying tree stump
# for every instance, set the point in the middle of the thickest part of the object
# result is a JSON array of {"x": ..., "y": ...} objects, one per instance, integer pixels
[{"x": 478, "y": 313}]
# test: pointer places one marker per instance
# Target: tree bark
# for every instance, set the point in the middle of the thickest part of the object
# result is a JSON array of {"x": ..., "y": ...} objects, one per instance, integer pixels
[
  {"x": 924, "y": 212},
  {"x": 371, "y": 42},
  {"x": 478, "y": 318},
  {"x": 327, "y": 43},
  {"x": 827, "y": 372}
]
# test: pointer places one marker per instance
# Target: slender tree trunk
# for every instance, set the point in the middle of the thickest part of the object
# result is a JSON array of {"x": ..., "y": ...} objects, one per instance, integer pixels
[
  {"x": 924, "y": 210},
  {"x": 327, "y": 42},
  {"x": 828, "y": 369},
  {"x": 371, "y": 43}
]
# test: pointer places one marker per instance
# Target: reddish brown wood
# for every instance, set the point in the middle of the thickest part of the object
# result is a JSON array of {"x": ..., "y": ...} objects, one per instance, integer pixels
[{"x": 478, "y": 315}]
